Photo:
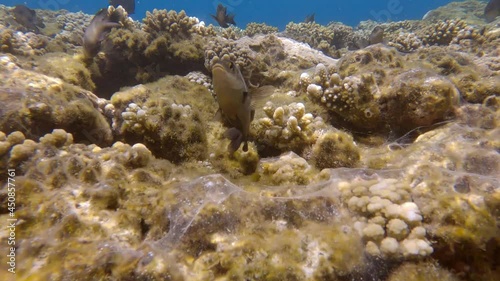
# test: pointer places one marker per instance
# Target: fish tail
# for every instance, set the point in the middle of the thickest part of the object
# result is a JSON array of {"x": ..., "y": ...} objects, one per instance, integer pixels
[{"x": 236, "y": 138}]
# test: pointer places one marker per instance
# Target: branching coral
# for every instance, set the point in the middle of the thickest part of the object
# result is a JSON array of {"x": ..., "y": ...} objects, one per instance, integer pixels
[
  {"x": 288, "y": 127},
  {"x": 353, "y": 99},
  {"x": 254, "y": 28},
  {"x": 406, "y": 42},
  {"x": 216, "y": 50},
  {"x": 317, "y": 36},
  {"x": 178, "y": 25},
  {"x": 442, "y": 32}
]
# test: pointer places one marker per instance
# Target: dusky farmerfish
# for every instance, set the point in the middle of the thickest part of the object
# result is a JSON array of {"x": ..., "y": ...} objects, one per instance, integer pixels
[
  {"x": 309, "y": 18},
  {"x": 128, "y": 5},
  {"x": 492, "y": 10},
  {"x": 235, "y": 105},
  {"x": 100, "y": 24},
  {"x": 27, "y": 18},
  {"x": 222, "y": 18}
]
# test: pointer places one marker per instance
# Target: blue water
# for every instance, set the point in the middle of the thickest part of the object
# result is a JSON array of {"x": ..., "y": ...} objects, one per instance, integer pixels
[{"x": 273, "y": 12}]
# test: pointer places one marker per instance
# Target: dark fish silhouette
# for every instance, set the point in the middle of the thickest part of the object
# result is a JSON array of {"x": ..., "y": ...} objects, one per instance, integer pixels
[
  {"x": 97, "y": 30},
  {"x": 128, "y": 5},
  {"x": 309, "y": 18},
  {"x": 492, "y": 10},
  {"x": 27, "y": 18},
  {"x": 376, "y": 36},
  {"x": 222, "y": 18}
]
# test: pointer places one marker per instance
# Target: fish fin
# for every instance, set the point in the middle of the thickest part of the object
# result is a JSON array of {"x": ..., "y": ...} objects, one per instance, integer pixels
[
  {"x": 261, "y": 95},
  {"x": 215, "y": 18},
  {"x": 218, "y": 115},
  {"x": 245, "y": 97},
  {"x": 101, "y": 12},
  {"x": 230, "y": 19},
  {"x": 109, "y": 25},
  {"x": 221, "y": 8},
  {"x": 236, "y": 138}
]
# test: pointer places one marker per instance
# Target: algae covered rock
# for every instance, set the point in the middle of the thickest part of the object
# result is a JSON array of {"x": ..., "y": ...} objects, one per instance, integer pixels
[
  {"x": 287, "y": 169},
  {"x": 335, "y": 149},
  {"x": 421, "y": 271},
  {"x": 418, "y": 98},
  {"x": 43, "y": 103},
  {"x": 68, "y": 68},
  {"x": 167, "y": 116}
]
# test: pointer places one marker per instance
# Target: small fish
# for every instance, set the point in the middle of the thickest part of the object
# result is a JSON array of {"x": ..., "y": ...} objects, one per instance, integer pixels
[
  {"x": 376, "y": 36},
  {"x": 309, "y": 18},
  {"x": 492, "y": 10},
  {"x": 27, "y": 18},
  {"x": 128, "y": 5},
  {"x": 222, "y": 18},
  {"x": 235, "y": 106},
  {"x": 97, "y": 30}
]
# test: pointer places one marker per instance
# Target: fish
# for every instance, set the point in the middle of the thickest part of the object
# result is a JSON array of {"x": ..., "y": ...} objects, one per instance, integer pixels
[
  {"x": 492, "y": 10},
  {"x": 27, "y": 18},
  {"x": 222, "y": 18},
  {"x": 376, "y": 36},
  {"x": 97, "y": 30},
  {"x": 235, "y": 103},
  {"x": 309, "y": 18},
  {"x": 128, "y": 5}
]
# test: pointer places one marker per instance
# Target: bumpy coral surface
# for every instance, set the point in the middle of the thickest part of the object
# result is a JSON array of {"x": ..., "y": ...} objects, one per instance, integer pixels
[
  {"x": 166, "y": 117},
  {"x": 43, "y": 103}
]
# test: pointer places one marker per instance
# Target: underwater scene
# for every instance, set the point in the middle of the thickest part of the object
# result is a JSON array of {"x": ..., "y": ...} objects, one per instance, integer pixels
[{"x": 250, "y": 140}]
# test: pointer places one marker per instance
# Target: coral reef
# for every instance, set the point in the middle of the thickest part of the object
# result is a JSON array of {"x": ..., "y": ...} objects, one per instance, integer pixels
[
  {"x": 442, "y": 33},
  {"x": 43, "y": 103},
  {"x": 406, "y": 42},
  {"x": 317, "y": 36},
  {"x": 288, "y": 128},
  {"x": 167, "y": 116},
  {"x": 422, "y": 271},
  {"x": 66, "y": 67},
  {"x": 167, "y": 43},
  {"x": 175, "y": 24},
  {"x": 25, "y": 44},
  {"x": 254, "y": 28},
  {"x": 287, "y": 169},
  {"x": 470, "y": 11},
  {"x": 417, "y": 99},
  {"x": 335, "y": 149}
]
